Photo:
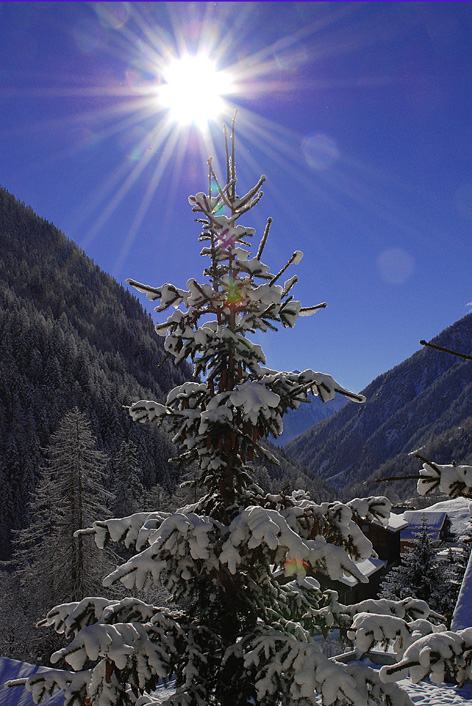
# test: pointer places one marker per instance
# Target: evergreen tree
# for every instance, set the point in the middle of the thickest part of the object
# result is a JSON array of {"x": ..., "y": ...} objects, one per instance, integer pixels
[
  {"x": 156, "y": 498},
  {"x": 239, "y": 562},
  {"x": 54, "y": 564},
  {"x": 452, "y": 565},
  {"x": 50, "y": 564},
  {"x": 18, "y": 639},
  {"x": 421, "y": 573},
  {"x": 127, "y": 486}
]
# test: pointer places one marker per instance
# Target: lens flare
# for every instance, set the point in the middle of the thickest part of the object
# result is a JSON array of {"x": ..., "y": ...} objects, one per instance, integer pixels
[
  {"x": 140, "y": 81},
  {"x": 112, "y": 15},
  {"x": 234, "y": 296},
  {"x": 295, "y": 567},
  {"x": 83, "y": 144},
  {"x": 89, "y": 36},
  {"x": 320, "y": 151},
  {"x": 396, "y": 265}
]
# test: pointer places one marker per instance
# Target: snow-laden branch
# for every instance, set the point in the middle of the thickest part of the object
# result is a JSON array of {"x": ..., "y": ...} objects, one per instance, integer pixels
[
  {"x": 283, "y": 665},
  {"x": 444, "y": 655},
  {"x": 135, "y": 531},
  {"x": 370, "y": 629},
  {"x": 450, "y": 479},
  {"x": 46, "y": 682}
]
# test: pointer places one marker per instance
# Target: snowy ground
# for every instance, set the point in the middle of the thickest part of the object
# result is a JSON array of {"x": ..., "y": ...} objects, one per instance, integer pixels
[
  {"x": 11, "y": 669},
  {"x": 427, "y": 694}
]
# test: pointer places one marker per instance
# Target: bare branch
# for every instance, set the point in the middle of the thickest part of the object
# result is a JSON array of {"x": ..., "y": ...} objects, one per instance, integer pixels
[
  {"x": 392, "y": 478},
  {"x": 312, "y": 309},
  {"x": 446, "y": 350}
]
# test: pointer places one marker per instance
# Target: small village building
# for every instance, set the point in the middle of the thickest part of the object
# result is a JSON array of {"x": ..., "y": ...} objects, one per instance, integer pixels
[
  {"x": 386, "y": 539},
  {"x": 437, "y": 525}
]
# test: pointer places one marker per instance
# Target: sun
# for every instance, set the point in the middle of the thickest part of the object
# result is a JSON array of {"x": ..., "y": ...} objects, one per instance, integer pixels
[{"x": 193, "y": 90}]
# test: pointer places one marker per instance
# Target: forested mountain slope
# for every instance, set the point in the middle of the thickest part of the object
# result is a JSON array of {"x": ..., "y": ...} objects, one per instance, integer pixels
[
  {"x": 70, "y": 336},
  {"x": 423, "y": 402}
]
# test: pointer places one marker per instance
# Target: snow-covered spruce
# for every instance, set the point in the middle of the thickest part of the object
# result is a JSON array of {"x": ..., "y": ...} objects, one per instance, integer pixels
[{"x": 240, "y": 564}]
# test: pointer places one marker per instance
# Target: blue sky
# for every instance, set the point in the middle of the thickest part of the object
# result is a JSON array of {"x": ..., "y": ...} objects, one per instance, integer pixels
[{"x": 359, "y": 114}]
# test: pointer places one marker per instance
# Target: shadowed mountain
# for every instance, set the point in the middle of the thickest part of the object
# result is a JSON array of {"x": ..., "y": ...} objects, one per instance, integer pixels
[
  {"x": 307, "y": 414},
  {"x": 70, "y": 336},
  {"x": 426, "y": 398}
]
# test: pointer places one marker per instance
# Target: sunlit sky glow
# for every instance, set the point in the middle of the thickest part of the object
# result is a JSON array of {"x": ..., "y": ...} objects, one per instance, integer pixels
[
  {"x": 193, "y": 90},
  {"x": 358, "y": 114}
]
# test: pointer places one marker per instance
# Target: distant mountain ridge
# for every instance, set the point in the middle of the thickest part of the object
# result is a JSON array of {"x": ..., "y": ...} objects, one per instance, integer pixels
[
  {"x": 307, "y": 414},
  {"x": 426, "y": 398}
]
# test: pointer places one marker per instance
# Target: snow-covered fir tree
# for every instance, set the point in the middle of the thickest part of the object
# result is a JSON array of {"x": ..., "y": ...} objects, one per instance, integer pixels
[
  {"x": 240, "y": 563},
  {"x": 50, "y": 564},
  {"x": 453, "y": 563},
  {"x": 422, "y": 573}
]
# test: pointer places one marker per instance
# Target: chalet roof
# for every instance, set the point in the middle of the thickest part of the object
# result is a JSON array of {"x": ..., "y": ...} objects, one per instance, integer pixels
[
  {"x": 462, "y": 617},
  {"x": 434, "y": 522},
  {"x": 367, "y": 567},
  {"x": 395, "y": 523}
]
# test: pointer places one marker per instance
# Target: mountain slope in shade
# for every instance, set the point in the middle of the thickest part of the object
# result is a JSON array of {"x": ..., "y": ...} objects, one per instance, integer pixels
[
  {"x": 297, "y": 421},
  {"x": 428, "y": 395},
  {"x": 70, "y": 336}
]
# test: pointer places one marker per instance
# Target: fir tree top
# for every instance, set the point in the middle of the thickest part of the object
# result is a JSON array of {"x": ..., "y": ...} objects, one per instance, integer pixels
[{"x": 218, "y": 423}]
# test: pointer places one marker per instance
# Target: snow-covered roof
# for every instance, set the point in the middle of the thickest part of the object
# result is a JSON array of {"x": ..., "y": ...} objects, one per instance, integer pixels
[
  {"x": 434, "y": 519},
  {"x": 366, "y": 567},
  {"x": 458, "y": 512},
  {"x": 434, "y": 522},
  {"x": 462, "y": 617},
  {"x": 396, "y": 522}
]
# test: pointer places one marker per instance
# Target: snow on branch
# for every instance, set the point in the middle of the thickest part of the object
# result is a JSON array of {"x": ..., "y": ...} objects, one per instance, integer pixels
[
  {"x": 46, "y": 682},
  {"x": 135, "y": 531},
  {"x": 371, "y": 509},
  {"x": 441, "y": 656},
  {"x": 369, "y": 630},
  {"x": 450, "y": 479},
  {"x": 282, "y": 664},
  {"x": 266, "y": 528}
]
